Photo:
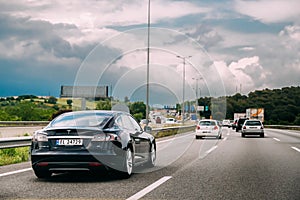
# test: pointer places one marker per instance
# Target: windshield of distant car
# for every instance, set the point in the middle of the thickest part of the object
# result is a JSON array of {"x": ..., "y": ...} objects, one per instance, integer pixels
[
  {"x": 253, "y": 123},
  {"x": 207, "y": 123},
  {"x": 81, "y": 120}
]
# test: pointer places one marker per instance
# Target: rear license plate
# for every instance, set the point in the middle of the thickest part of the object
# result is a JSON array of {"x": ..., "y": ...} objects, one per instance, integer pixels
[
  {"x": 206, "y": 131},
  {"x": 69, "y": 142}
]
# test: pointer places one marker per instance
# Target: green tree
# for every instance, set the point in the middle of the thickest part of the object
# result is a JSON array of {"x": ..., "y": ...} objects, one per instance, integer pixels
[
  {"x": 138, "y": 116},
  {"x": 138, "y": 107},
  {"x": 52, "y": 100},
  {"x": 104, "y": 105},
  {"x": 69, "y": 102}
]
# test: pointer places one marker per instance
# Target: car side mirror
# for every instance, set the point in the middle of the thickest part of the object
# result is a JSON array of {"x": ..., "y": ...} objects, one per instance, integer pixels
[{"x": 147, "y": 129}]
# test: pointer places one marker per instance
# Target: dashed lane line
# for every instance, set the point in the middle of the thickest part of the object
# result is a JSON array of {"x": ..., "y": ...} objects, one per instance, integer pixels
[
  {"x": 15, "y": 172},
  {"x": 149, "y": 188},
  {"x": 211, "y": 149},
  {"x": 295, "y": 148}
]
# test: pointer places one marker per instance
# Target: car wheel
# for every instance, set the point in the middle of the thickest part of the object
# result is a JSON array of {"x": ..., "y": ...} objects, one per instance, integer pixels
[
  {"x": 128, "y": 164},
  {"x": 197, "y": 137},
  {"x": 236, "y": 130},
  {"x": 42, "y": 174},
  {"x": 152, "y": 156},
  {"x": 262, "y": 135},
  {"x": 220, "y": 137},
  {"x": 243, "y": 134}
]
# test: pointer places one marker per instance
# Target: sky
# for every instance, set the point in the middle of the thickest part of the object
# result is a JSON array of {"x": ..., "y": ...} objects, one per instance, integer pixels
[{"x": 197, "y": 48}]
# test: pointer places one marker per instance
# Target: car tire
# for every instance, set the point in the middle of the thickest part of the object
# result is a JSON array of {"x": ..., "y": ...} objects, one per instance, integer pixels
[
  {"x": 236, "y": 130},
  {"x": 262, "y": 135},
  {"x": 43, "y": 174},
  {"x": 220, "y": 137},
  {"x": 152, "y": 156},
  {"x": 127, "y": 165},
  {"x": 197, "y": 137},
  {"x": 243, "y": 134}
]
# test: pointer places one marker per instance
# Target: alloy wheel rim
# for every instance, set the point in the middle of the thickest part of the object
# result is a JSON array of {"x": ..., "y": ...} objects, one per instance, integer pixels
[
  {"x": 153, "y": 154},
  {"x": 129, "y": 162}
]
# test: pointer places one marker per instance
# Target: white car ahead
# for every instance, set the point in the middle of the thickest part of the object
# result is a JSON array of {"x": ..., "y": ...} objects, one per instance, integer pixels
[
  {"x": 208, "y": 128},
  {"x": 252, "y": 127}
]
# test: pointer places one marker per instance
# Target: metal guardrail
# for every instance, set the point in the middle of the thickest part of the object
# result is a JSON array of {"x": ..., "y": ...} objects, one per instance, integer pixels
[
  {"x": 13, "y": 142},
  {"x": 290, "y": 127},
  {"x": 22, "y": 123},
  {"x": 178, "y": 129}
]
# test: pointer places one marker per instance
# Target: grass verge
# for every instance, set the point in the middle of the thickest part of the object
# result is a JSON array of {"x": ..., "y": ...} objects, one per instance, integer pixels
[{"x": 14, "y": 155}]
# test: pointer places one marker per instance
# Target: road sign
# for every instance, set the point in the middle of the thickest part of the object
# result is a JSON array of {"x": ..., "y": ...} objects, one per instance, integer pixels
[{"x": 200, "y": 108}]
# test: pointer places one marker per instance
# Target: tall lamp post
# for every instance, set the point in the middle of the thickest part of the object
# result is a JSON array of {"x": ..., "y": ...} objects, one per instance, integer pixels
[
  {"x": 148, "y": 61},
  {"x": 183, "y": 85},
  {"x": 197, "y": 79}
]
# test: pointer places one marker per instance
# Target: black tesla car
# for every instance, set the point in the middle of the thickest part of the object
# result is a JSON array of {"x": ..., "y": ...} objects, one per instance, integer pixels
[{"x": 91, "y": 140}]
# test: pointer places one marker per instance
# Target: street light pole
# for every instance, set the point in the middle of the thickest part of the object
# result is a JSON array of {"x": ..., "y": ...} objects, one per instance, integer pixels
[
  {"x": 197, "y": 79},
  {"x": 183, "y": 86},
  {"x": 148, "y": 61}
]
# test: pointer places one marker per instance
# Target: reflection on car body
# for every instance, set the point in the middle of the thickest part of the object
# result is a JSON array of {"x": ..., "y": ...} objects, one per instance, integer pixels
[{"x": 91, "y": 140}]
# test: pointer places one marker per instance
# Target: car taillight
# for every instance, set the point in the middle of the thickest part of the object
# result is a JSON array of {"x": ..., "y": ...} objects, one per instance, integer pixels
[
  {"x": 216, "y": 128},
  {"x": 94, "y": 164},
  {"x": 244, "y": 127},
  {"x": 198, "y": 127},
  {"x": 261, "y": 127},
  {"x": 42, "y": 164},
  {"x": 104, "y": 137}
]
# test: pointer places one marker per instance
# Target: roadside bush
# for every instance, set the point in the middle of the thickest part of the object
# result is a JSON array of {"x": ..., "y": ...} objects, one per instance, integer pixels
[{"x": 14, "y": 155}]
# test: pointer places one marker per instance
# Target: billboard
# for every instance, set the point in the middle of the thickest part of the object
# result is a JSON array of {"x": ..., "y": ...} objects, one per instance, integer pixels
[{"x": 84, "y": 91}]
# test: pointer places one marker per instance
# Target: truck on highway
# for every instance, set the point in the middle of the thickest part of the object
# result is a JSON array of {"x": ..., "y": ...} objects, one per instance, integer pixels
[
  {"x": 236, "y": 117},
  {"x": 239, "y": 115},
  {"x": 255, "y": 113}
]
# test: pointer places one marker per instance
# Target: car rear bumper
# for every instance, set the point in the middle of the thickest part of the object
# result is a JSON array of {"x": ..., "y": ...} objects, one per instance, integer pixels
[
  {"x": 70, "y": 161},
  {"x": 207, "y": 134},
  {"x": 252, "y": 132}
]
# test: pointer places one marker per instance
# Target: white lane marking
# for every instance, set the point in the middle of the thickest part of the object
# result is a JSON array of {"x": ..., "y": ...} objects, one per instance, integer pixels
[
  {"x": 295, "y": 148},
  {"x": 15, "y": 172},
  {"x": 211, "y": 149},
  {"x": 276, "y": 139},
  {"x": 149, "y": 188},
  {"x": 228, "y": 133},
  {"x": 225, "y": 138}
]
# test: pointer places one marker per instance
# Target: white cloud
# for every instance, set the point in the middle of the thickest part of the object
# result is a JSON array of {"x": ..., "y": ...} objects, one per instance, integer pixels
[
  {"x": 93, "y": 14},
  {"x": 293, "y": 32},
  {"x": 246, "y": 72},
  {"x": 269, "y": 11},
  {"x": 247, "y": 48},
  {"x": 93, "y": 18}
]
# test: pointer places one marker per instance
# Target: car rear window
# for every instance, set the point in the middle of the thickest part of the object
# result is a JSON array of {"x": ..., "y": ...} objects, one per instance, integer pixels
[
  {"x": 253, "y": 123},
  {"x": 81, "y": 120},
  {"x": 207, "y": 123}
]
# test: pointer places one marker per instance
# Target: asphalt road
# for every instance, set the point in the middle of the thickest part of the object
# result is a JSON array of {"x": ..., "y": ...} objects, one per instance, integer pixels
[{"x": 230, "y": 168}]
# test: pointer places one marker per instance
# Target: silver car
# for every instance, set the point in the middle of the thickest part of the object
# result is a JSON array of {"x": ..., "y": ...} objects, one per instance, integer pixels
[
  {"x": 208, "y": 128},
  {"x": 252, "y": 127}
]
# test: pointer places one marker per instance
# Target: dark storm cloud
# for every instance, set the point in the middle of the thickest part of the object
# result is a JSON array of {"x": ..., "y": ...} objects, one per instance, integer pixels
[
  {"x": 35, "y": 58},
  {"x": 47, "y": 35}
]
